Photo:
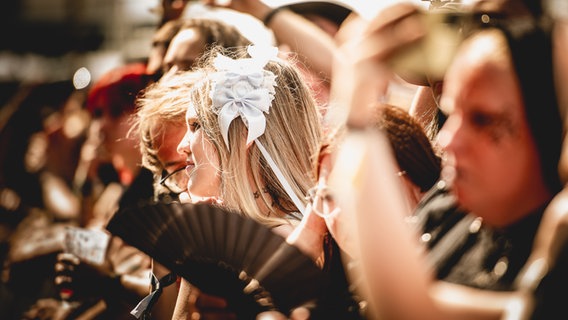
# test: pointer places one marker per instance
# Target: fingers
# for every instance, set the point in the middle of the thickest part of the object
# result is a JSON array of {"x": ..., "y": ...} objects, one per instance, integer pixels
[
  {"x": 368, "y": 61},
  {"x": 391, "y": 15},
  {"x": 300, "y": 313},
  {"x": 271, "y": 315},
  {"x": 65, "y": 268},
  {"x": 68, "y": 258},
  {"x": 382, "y": 39}
]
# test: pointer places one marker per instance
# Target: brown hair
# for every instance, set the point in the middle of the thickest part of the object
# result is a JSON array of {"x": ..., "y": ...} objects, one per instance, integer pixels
[{"x": 412, "y": 148}]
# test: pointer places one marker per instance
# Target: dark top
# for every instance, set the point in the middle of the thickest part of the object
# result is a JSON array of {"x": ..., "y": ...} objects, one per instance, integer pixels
[
  {"x": 551, "y": 295},
  {"x": 464, "y": 250},
  {"x": 338, "y": 299}
]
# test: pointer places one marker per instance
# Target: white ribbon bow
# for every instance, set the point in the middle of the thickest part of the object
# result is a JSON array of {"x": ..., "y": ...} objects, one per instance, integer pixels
[
  {"x": 243, "y": 88},
  {"x": 254, "y": 78}
]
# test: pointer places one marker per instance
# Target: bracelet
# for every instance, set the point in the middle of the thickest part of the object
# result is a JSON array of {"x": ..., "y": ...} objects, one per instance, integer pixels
[{"x": 268, "y": 17}]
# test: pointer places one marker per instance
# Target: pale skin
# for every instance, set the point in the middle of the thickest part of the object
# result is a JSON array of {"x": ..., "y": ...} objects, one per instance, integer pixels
[
  {"x": 202, "y": 162},
  {"x": 203, "y": 185}
]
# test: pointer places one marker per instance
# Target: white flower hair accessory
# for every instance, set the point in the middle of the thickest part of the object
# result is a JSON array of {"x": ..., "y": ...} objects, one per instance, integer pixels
[{"x": 243, "y": 88}]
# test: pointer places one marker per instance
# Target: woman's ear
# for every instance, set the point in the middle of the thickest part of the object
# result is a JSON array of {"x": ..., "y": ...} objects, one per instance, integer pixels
[{"x": 325, "y": 162}]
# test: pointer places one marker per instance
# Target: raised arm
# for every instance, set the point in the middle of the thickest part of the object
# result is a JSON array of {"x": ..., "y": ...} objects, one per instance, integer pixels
[{"x": 315, "y": 47}]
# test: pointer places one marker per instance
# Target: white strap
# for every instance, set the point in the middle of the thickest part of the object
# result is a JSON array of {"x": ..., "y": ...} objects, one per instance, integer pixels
[{"x": 281, "y": 178}]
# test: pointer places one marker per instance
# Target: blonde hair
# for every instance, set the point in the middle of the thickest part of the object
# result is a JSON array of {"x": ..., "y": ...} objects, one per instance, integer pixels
[
  {"x": 156, "y": 111},
  {"x": 292, "y": 138}
]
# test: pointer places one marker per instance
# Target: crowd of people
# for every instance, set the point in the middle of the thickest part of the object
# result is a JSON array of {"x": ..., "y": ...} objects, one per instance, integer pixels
[{"x": 446, "y": 205}]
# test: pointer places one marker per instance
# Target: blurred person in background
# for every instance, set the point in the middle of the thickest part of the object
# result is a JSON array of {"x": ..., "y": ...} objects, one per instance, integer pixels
[
  {"x": 108, "y": 176},
  {"x": 42, "y": 129},
  {"x": 304, "y": 33}
]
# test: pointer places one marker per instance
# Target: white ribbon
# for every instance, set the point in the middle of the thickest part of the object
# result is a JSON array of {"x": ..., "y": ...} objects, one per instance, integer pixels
[{"x": 299, "y": 204}]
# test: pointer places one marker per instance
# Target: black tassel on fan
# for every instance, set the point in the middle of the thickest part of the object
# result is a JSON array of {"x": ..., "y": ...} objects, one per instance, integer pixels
[{"x": 223, "y": 254}]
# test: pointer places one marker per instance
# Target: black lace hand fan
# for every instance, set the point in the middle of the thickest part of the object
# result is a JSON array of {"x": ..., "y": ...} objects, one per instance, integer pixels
[{"x": 223, "y": 254}]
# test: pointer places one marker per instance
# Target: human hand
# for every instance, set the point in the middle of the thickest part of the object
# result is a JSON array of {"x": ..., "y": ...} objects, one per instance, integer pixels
[
  {"x": 77, "y": 280},
  {"x": 299, "y": 313},
  {"x": 48, "y": 309},
  {"x": 271, "y": 315},
  {"x": 363, "y": 67}
]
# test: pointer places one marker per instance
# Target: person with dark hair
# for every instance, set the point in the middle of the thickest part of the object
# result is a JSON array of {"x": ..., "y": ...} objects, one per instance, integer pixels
[
  {"x": 501, "y": 143},
  {"x": 195, "y": 36},
  {"x": 479, "y": 226},
  {"x": 109, "y": 176},
  {"x": 418, "y": 161},
  {"x": 161, "y": 40},
  {"x": 42, "y": 128}
]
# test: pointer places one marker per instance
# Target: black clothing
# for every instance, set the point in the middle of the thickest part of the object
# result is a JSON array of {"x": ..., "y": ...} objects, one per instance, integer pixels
[
  {"x": 551, "y": 296},
  {"x": 338, "y": 299},
  {"x": 465, "y": 251},
  {"x": 140, "y": 191}
]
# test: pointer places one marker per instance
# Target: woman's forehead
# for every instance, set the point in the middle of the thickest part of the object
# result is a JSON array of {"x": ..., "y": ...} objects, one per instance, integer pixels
[{"x": 191, "y": 113}]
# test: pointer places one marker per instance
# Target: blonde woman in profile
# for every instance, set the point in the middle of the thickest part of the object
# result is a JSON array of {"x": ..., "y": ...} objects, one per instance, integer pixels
[{"x": 252, "y": 130}]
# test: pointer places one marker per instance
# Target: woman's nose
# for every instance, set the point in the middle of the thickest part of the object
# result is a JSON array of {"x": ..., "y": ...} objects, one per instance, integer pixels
[
  {"x": 446, "y": 138},
  {"x": 183, "y": 145}
]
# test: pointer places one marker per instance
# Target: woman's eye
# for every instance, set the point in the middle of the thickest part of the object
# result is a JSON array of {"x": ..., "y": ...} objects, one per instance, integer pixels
[
  {"x": 496, "y": 126},
  {"x": 481, "y": 120},
  {"x": 194, "y": 126}
]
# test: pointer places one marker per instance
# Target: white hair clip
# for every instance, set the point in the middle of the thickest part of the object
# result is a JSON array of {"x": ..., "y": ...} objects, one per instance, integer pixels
[{"x": 243, "y": 88}]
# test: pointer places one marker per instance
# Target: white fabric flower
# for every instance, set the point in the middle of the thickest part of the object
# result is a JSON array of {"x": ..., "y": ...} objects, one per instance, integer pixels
[{"x": 242, "y": 88}]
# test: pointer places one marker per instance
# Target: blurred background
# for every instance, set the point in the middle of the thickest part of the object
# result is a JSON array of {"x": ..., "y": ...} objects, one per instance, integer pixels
[{"x": 49, "y": 40}]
